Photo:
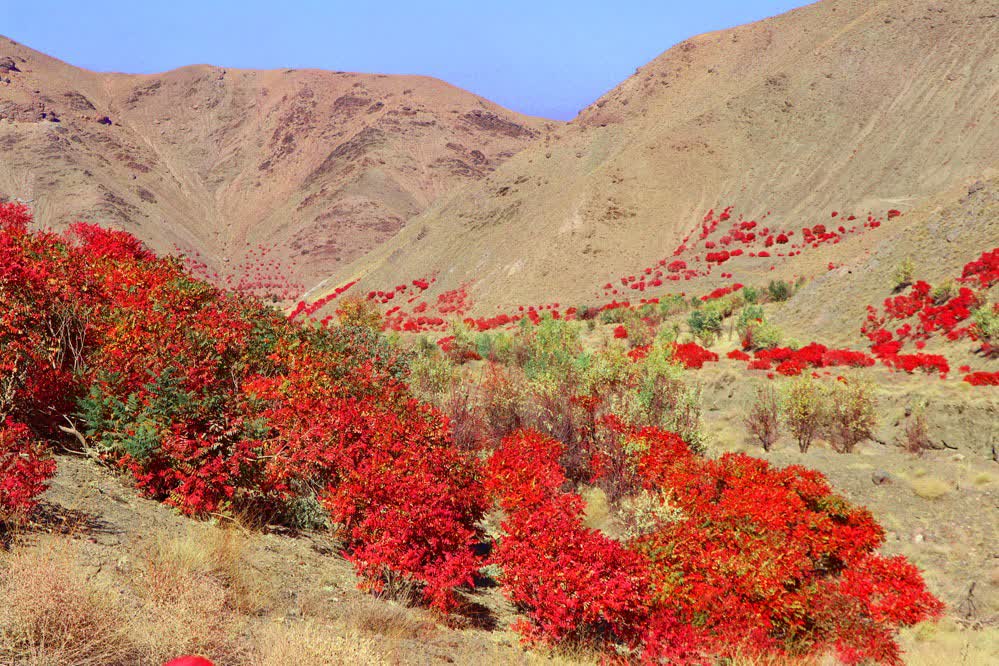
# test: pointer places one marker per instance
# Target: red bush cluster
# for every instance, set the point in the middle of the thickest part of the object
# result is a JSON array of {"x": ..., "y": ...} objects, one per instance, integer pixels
[
  {"x": 758, "y": 560},
  {"x": 692, "y": 355},
  {"x": 792, "y": 362},
  {"x": 215, "y": 402},
  {"x": 918, "y": 315},
  {"x": 25, "y": 468},
  {"x": 982, "y": 378}
]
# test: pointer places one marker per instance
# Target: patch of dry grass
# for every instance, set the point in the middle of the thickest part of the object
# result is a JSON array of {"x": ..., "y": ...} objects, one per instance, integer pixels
[
  {"x": 930, "y": 487},
  {"x": 597, "y": 508},
  {"x": 195, "y": 591},
  {"x": 53, "y": 612},
  {"x": 387, "y": 620},
  {"x": 946, "y": 642},
  {"x": 310, "y": 643}
]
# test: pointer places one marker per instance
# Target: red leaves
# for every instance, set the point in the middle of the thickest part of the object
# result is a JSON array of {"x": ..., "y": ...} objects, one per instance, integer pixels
[
  {"x": 757, "y": 560},
  {"x": 692, "y": 355},
  {"x": 573, "y": 583},
  {"x": 982, "y": 378},
  {"x": 25, "y": 467},
  {"x": 620, "y": 332}
]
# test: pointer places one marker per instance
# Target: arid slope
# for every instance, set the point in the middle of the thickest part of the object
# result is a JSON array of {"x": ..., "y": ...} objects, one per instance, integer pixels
[
  {"x": 841, "y": 105},
  {"x": 318, "y": 166}
]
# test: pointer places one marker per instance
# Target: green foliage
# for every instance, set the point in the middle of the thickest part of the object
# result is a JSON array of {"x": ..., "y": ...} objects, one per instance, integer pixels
[
  {"x": 673, "y": 304},
  {"x": 851, "y": 414},
  {"x": 705, "y": 323},
  {"x": 551, "y": 347},
  {"x": 613, "y": 316},
  {"x": 779, "y": 290},
  {"x": 804, "y": 407},
  {"x": 986, "y": 323},
  {"x": 903, "y": 274},
  {"x": 135, "y": 426},
  {"x": 749, "y": 316},
  {"x": 943, "y": 292},
  {"x": 751, "y": 295},
  {"x": 431, "y": 374}
]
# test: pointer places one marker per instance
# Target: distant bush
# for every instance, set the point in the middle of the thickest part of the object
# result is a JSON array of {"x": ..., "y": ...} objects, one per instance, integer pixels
[
  {"x": 915, "y": 436},
  {"x": 986, "y": 323},
  {"x": 778, "y": 290},
  {"x": 851, "y": 414},
  {"x": 763, "y": 419},
  {"x": 805, "y": 410},
  {"x": 903, "y": 274},
  {"x": 705, "y": 324},
  {"x": 673, "y": 305}
]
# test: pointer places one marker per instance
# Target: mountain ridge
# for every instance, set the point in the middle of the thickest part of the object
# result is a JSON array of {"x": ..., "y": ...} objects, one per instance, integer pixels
[{"x": 306, "y": 167}]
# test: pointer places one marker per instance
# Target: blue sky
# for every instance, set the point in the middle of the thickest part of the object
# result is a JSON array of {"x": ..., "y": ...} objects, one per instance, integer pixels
[{"x": 548, "y": 58}]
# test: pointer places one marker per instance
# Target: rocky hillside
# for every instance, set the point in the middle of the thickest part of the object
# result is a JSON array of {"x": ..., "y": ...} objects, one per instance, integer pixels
[
  {"x": 844, "y": 105},
  {"x": 318, "y": 167}
]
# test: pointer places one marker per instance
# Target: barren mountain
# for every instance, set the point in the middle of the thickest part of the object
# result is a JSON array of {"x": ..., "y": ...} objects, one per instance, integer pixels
[
  {"x": 317, "y": 166},
  {"x": 843, "y": 105}
]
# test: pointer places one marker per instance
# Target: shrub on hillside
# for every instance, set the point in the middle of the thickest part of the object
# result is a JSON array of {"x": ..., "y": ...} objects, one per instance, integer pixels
[
  {"x": 778, "y": 290},
  {"x": 851, "y": 415},
  {"x": 805, "y": 410},
  {"x": 763, "y": 419},
  {"x": 25, "y": 467},
  {"x": 903, "y": 274}
]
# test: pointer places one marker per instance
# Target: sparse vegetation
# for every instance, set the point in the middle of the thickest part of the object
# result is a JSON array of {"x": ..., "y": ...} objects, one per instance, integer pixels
[
  {"x": 805, "y": 410},
  {"x": 903, "y": 274},
  {"x": 763, "y": 419},
  {"x": 851, "y": 414}
]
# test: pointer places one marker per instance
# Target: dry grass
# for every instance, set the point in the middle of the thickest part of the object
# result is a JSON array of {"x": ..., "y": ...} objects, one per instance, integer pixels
[
  {"x": 53, "y": 611},
  {"x": 195, "y": 592},
  {"x": 310, "y": 643},
  {"x": 597, "y": 508},
  {"x": 387, "y": 620},
  {"x": 945, "y": 642},
  {"x": 930, "y": 487},
  {"x": 983, "y": 479}
]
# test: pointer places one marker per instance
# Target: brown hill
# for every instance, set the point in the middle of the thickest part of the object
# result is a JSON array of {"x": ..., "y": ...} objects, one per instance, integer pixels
[
  {"x": 318, "y": 166},
  {"x": 841, "y": 105}
]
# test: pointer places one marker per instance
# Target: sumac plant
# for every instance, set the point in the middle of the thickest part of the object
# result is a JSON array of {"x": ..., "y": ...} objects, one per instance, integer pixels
[
  {"x": 757, "y": 560},
  {"x": 216, "y": 403}
]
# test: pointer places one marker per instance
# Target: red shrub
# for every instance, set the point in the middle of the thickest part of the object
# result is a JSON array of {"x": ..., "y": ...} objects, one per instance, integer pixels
[
  {"x": 25, "y": 467},
  {"x": 983, "y": 378},
  {"x": 693, "y": 356}
]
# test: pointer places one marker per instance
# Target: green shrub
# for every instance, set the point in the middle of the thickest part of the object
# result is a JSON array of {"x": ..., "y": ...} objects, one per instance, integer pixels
[
  {"x": 903, "y": 274},
  {"x": 778, "y": 290},
  {"x": 614, "y": 316},
  {"x": 749, "y": 316},
  {"x": 943, "y": 292},
  {"x": 705, "y": 324},
  {"x": 986, "y": 323},
  {"x": 851, "y": 414},
  {"x": 804, "y": 408},
  {"x": 673, "y": 305}
]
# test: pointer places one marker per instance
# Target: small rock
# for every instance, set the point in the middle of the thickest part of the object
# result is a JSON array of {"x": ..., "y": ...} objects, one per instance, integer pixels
[
  {"x": 918, "y": 538},
  {"x": 880, "y": 477}
]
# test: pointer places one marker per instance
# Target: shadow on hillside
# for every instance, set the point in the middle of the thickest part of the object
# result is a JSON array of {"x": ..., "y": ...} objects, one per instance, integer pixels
[{"x": 51, "y": 518}]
